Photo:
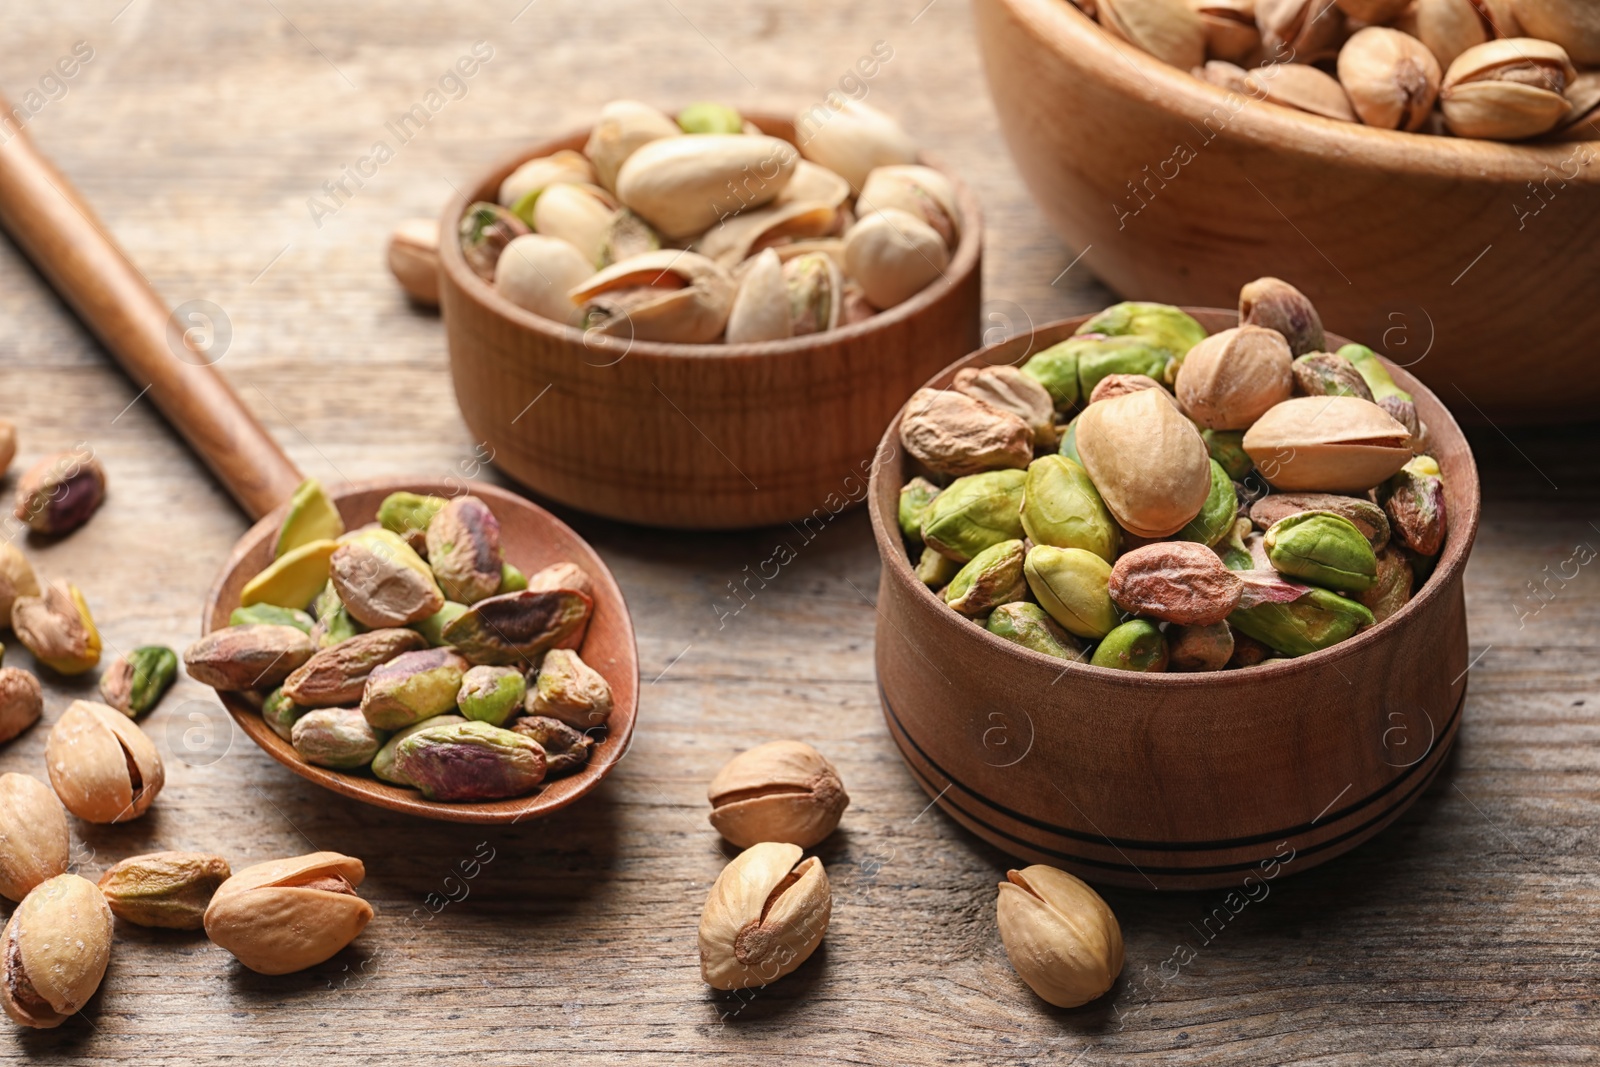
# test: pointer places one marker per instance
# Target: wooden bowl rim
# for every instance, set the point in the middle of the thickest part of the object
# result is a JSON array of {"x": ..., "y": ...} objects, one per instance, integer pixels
[
  {"x": 963, "y": 261},
  {"x": 373, "y": 791},
  {"x": 1138, "y": 74},
  {"x": 1463, "y": 531}
]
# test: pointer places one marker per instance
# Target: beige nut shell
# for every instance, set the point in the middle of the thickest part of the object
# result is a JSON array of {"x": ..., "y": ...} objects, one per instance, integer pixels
[
  {"x": 1327, "y": 444},
  {"x": 88, "y": 756},
  {"x": 274, "y": 924},
  {"x": 743, "y": 941},
  {"x": 35, "y": 844},
  {"x": 783, "y": 791},
  {"x": 1059, "y": 935},
  {"x": 1232, "y": 378},
  {"x": 1147, "y": 460},
  {"x": 62, "y": 937}
]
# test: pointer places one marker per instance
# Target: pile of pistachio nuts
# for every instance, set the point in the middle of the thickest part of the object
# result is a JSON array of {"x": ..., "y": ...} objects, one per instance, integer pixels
[
  {"x": 1503, "y": 70},
  {"x": 703, "y": 228},
  {"x": 411, "y": 649},
  {"x": 1146, "y": 497}
]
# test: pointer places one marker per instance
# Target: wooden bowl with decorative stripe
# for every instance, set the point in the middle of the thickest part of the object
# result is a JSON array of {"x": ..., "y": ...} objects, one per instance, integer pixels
[
  {"x": 693, "y": 436},
  {"x": 1174, "y": 781}
]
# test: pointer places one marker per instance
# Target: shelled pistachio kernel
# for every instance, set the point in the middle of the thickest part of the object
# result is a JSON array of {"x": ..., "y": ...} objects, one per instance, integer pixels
[
  {"x": 164, "y": 889},
  {"x": 134, "y": 683},
  {"x": 492, "y": 694}
]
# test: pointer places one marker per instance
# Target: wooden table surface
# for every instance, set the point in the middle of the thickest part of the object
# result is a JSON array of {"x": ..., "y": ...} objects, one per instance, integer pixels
[{"x": 1465, "y": 934}]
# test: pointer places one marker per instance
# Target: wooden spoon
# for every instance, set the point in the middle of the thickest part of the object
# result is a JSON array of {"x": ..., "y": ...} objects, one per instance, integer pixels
[{"x": 52, "y": 224}]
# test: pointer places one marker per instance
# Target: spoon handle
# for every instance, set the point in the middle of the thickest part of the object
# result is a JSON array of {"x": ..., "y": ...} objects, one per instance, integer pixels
[{"x": 55, "y": 228}]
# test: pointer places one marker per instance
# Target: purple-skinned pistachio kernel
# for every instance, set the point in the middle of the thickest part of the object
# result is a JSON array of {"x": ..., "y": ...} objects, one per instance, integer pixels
[
  {"x": 464, "y": 550},
  {"x": 470, "y": 761},
  {"x": 516, "y": 629}
]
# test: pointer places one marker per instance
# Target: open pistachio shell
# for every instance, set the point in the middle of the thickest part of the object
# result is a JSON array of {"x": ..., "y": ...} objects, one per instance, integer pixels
[
  {"x": 536, "y": 272},
  {"x": 1170, "y": 30},
  {"x": 624, "y": 127},
  {"x": 55, "y": 950},
  {"x": 1506, "y": 90},
  {"x": 666, "y": 295},
  {"x": 749, "y": 232},
  {"x": 287, "y": 915},
  {"x": 103, "y": 767},
  {"x": 814, "y": 184},
  {"x": 1147, "y": 460},
  {"x": 580, "y": 215},
  {"x": 917, "y": 190},
  {"x": 760, "y": 309},
  {"x": 767, "y": 913},
  {"x": 537, "y": 174},
  {"x": 1330, "y": 444}
]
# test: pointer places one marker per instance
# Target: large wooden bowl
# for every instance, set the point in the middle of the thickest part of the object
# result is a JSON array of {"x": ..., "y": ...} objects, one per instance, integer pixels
[
  {"x": 532, "y": 539},
  {"x": 1470, "y": 262},
  {"x": 693, "y": 436},
  {"x": 1174, "y": 781}
]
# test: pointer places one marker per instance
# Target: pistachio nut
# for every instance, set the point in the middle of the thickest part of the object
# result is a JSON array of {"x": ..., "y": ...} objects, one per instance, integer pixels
[
  {"x": 1373, "y": 372},
  {"x": 1062, "y": 507},
  {"x": 1373, "y": 12},
  {"x": 1056, "y": 368},
  {"x": 101, "y": 765},
  {"x": 1072, "y": 585},
  {"x": 1248, "y": 652},
  {"x": 35, "y": 844},
  {"x": 1230, "y": 379},
  {"x": 1169, "y": 328},
  {"x": 253, "y": 656},
  {"x": 1331, "y": 444},
  {"x": 169, "y": 890},
  {"x": 1300, "y": 30},
  {"x": 626, "y": 235},
  {"x": 492, "y": 694},
  {"x": 1367, "y": 516},
  {"x": 852, "y": 139},
  {"x": 779, "y": 224},
  {"x": 538, "y": 273},
  {"x": 975, "y": 512},
  {"x": 432, "y": 628},
  {"x": 516, "y": 628},
  {"x": 336, "y": 625},
  {"x": 57, "y": 628},
  {"x": 760, "y": 310},
  {"x": 1584, "y": 96},
  {"x": 1274, "y": 304},
  {"x": 919, "y": 191},
  {"x": 623, "y": 128},
  {"x": 1303, "y": 88},
  {"x": 312, "y": 516},
  {"x": 512, "y": 580},
  {"x": 915, "y": 496},
  {"x": 955, "y": 434},
  {"x": 1572, "y": 24},
  {"x": 464, "y": 552},
  {"x": 1391, "y": 77},
  {"x": 893, "y": 255},
  {"x": 337, "y": 676},
  {"x": 684, "y": 185},
  {"x": 59, "y": 493},
  {"x": 562, "y": 576},
  {"x": 1392, "y": 590},
  {"x": 1450, "y": 27},
  {"x": 469, "y": 761},
  {"x": 1414, "y": 501},
  {"x": 780, "y": 791},
  {"x": 1225, "y": 75},
  {"x": 280, "y": 714},
  {"x": 1313, "y": 620},
  {"x": 1114, "y": 385},
  {"x": 383, "y": 762},
  {"x": 340, "y": 738},
  {"x": 1199, "y": 648},
  {"x": 16, "y": 578},
  {"x": 287, "y": 915},
  {"x": 814, "y": 293},
  {"x": 1324, "y": 549},
  {"x": 1170, "y": 30},
  {"x": 565, "y": 749},
  {"x": 271, "y": 615},
  {"x": 1136, "y": 645},
  {"x": 1059, "y": 934},
  {"x": 1217, "y": 514},
  {"x": 409, "y": 688},
  {"x": 1507, "y": 90},
  {"x": 668, "y": 295},
  {"x": 766, "y": 914},
  {"x": 534, "y": 176},
  {"x": 935, "y": 570},
  {"x": 1148, "y": 461},
  {"x": 292, "y": 580},
  {"x": 486, "y": 230},
  {"x": 1027, "y": 624},
  {"x": 8, "y": 445},
  {"x": 383, "y": 583},
  {"x": 57, "y": 945},
  {"x": 580, "y": 215},
  {"x": 21, "y": 702},
  {"x": 1175, "y": 581},
  {"x": 993, "y": 577},
  {"x": 710, "y": 117},
  {"x": 1327, "y": 374},
  {"x": 1233, "y": 551},
  {"x": 135, "y": 683},
  {"x": 1230, "y": 26},
  {"x": 570, "y": 690},
  {"x": 1008, "y": 389},
  {"x": 408, "y": 515}
]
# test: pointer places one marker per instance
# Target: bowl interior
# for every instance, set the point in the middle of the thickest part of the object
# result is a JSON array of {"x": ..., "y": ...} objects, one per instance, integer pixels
[{"x": 532, "y": 539}]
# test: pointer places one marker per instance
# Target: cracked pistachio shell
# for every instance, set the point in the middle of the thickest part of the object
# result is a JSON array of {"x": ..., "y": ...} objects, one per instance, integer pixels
[
  {"x": 134, "y": 683},
  {"x": 893, "y": 256},
  {"x": 381, "y": 580},
  {"x": 1147, "y": 460},
  {"x": 1414, "y": 501},
  {"x": 1332, "y": 444},
  {"x": 535, "y": 175},
  {"x": 469, "y": 761},
  {"x": 492, "y": 694},
  {"x": 623, "y": 128},
  {"x": 271, "y": 615},
  {"x": 252, "y": 656},
  {"x": 915, "y": 496},
  {"x": 1230, "y": 25},
  {"x": 760, "y": 309},
  {"x": 1008, "y": 389},
  {"x": 35, "y": 844},
  {"x": 311, "y": 517},
  {"x": 59, "y": 493},
  {"x": 955, "y": 434},
  {"x": 16, "y": 578},
  {"x": 1274, "y": 304},
  {"x": 626, "y": 236},
  {"x": 1216, "y": 514},
  {"x": 565, "y": 749},
  {"x": 340, "y": 738},
  {"x": 1367, "y": 516},
  {"x": 464, "y": 551},
  {"x": 514, "y": 629},
  {"x": 294, "y": 579},
  {"x": 975, "y": 512},
  {"x": 684, "y": 185},
  {"x": 57, "y": 628},
  {"x": 993, "y": 577},
  {"x": 667, "y": 295},
  {"x": 1391, "y": 78},
  {"x": 1059, "y": 934},
  {"x": 1302, "y": 30},
  {"x": 1072, "y": 586},
  {"x": 414, "y": 259},
  {"x": 1199, "y": 648},
  {"x": 1572, "y": 24},
  {"x": 101, "y": 765},
  {"x": 1327, "y": 374},
  {"x": 1232, "y": 378},
  {"x": 934, "y": 570},
  {"x": 1056, "y": 368},
  {"x": 1324, "y": 549},
  {"x": 1061, "y": 507},
  {"x": 1170, "y": 30},
  {"x": 280, "y": 714},
  {"x": 337, "y": 675},
  {"x": 287, "y": 915},
  {"x": 409, "y": 688},
  {"x": 1175, "y": 581},
  {"x": 1303, "y": 88},
  {"x": 383, "y": 762},
  {"x": 580, "y": 215},
  {"x": 813, "y": 293},
  {"x": 1315, "y": 619},
  {"x": 56, "y": 947},
  {"x": 539, "y": 272},
  {"x": 852, "y": 139},
  {"x": 1027, "y": 624},
  {"x": 815, "y": 184},
  {"x": 1450, "y": 27},
  {"x": 486, "y": 231},
  {"x": 169, "y": 890},
  {"x": 766, "y": 914},
  {"x": 1136, "y": 645},
  {"x": 918, "y": 191},
  {"x": 1507, "y": 90},
  {"x": 781, "y": 223},
  {"x": 1115, "y": 385},
  {"x": 1392, "y": 590},
  {"x": 432, "y": 628},
  {"x": 21, "y": 702},
  {"x": 1227, "y": 448},
  {"x": 783, "y": 791},
  {"x": 570, "y": 690}
]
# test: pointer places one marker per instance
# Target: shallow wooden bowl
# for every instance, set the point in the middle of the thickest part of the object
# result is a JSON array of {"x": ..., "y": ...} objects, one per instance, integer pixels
[
  {"x": 1174, "y": 781},
  {"x": 532, "y": 538},
  {"x": 1470, "y": 262},
  {"x": 693, "y": 436}
]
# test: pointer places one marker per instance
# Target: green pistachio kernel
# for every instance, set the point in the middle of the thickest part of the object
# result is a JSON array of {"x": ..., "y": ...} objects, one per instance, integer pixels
[{"x": 1136, "y": 645}]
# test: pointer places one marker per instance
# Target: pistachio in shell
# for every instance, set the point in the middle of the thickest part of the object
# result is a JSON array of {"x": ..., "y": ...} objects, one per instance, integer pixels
[
  {"x": 1148, "y": 461},
  {"x": 485, "y": 232},
  {"x": 1232, "y": 378},
  {"x": 1332, "y": 444},
  {"x": 1062, "y": 507},
  {"x": 780, "y": 791},
  {"x": 469, "y": 761},
  {"x": 1136, "y": 645},
  {"x": 1391, "y": 77},
  {"x": 765, "y": 915},
  {"x": 1572, "y": 24},
  {"x": 1059, "y": 934},
  {"x": 538, "y": 272},
  {"x": 624, "y": 127},
  {"x": 21, "y": 702},
  {"x": 536, "y": 174},
  {"x": 852, "y": 139},
  {"x": 1305, "y": 30},
  {"x": 286, "y": 915},
  {"x": 919, "y": 191},
  {"x": 1115, "y": 385},
  {"x": 975, "y": 512},
  {"x": 1025, "y": 623},
  {"x": 1450, "y": 27},
  {"x": 955, "y": 434},
  {"x": 1274, "y": 304},
  {"x": 1072, "y": 586},
  {"x": 35, "y": 844},
  {"x": 993, "y": 577},
  {"x": 1231, "y": 32},
  {"x": 1507, "y": 90},
  {"x": 684, "y": 185},
  {"x": 55, "y": 949},
  {"x": 893, "y": 256},
  {"x": 1324, "y": 549},
  {"x": 517, "y": 628},
  {"x": 102, "y": 766},
  {"x": 1170, "y": 30},
  {"x": 668, "y": 295},
  {"x": 16, "y": 578}
]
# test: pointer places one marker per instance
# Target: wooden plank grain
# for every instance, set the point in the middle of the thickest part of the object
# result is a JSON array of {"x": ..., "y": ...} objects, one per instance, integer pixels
[{"x": 1464, "y": 934}]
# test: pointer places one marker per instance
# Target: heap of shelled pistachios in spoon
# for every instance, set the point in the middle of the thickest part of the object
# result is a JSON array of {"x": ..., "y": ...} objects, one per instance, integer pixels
[{"x": 1147, "y": 497}]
